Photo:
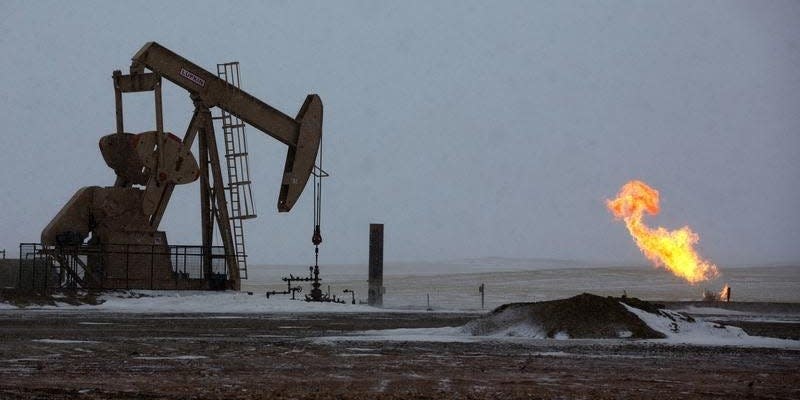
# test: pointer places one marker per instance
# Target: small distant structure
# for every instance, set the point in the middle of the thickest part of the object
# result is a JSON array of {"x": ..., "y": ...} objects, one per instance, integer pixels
[
  {"x": 352, "y": 294},
  {"x": 289, "y": 288},
  {"x": 723, "y": 295},
  {"x": 482, "y": 290},
  {"x": 316, "y": 294},
  {"x": 376, "y": 289}
]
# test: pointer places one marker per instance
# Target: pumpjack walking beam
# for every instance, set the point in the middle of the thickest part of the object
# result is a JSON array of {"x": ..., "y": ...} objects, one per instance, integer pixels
[{"x": 301, "y": 134}]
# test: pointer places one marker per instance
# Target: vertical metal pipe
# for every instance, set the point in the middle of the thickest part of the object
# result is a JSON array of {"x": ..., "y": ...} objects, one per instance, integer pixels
[
  {"x": 160, "y": 125},
  {"x": 205, "y": 207},
  {"x": 159, "y": 116},
  {"x": 152, "y": 257},
  {"x": 223, "y": 221},
  {"x": 19, "y": 266},
  {"x": 375, "y": 296},
  {"x": 482, "y": 289},
  {"x": 46, "y": 277},
  {"x": 118, "y": 99},
  {"x": 33, "y": 273}
]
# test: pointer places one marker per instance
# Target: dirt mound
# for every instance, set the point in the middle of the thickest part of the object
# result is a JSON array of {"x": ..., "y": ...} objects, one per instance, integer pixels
[{"x": 585, "y": 316}]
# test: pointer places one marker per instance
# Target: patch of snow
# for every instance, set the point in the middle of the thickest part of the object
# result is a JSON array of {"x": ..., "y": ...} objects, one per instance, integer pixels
[
  {"x": 62, "y": 341},
  {"x": 186, "y": 357},
  {"x": 156, "y": 301},
  {"x": 268, "y": 336},
  {"x": 382, "y": 385},
  {"x": 679, "y": 329},
  {"x": 694, "y": 310},
  {"x": 360, "y": 349},
  {"x": 561, "y": 336},
  {"x": 82, "y": 350},
  {"x": 359, "y": 355},
  {"x": 28, "y": 359},
  {"x": 443, "y": 335},
  {"x": 551, "y": 354},
  {"x": 781, "y": 319},
  {"x": 444, "y": 331},
  {"x": 523, "y": 329},
  {"x": 207, "y": 302},
  {"x": 446, "y": 334}
]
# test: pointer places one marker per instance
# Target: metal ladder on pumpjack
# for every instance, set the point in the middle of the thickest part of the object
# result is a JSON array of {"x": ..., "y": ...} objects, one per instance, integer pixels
[{"x": 240, "y": 196}]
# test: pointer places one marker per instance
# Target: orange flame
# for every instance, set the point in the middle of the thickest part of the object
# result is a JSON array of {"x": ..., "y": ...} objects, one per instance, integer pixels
[
  {"x": 672, "y": 250},
  {"x": 725, "y": 293}
]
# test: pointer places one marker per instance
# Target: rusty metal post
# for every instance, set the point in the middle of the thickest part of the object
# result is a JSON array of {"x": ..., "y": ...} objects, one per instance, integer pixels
[
  {"x": 152, "y": 266},
  {"x": 116, "y": 76},
  {"x": 19, "y": 266},
  {"x": 375, "y": 297},
  {"x": 127, "y": 266},
  {"x": 160, "y": 124},
  {"x": 159, "y": 107},
  {"x": 118, "y": 100},
  {"x": 206, "y": 217}
]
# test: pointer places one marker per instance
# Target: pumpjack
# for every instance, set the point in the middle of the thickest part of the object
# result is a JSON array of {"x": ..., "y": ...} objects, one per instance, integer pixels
[{"x": 148, "y": 166}]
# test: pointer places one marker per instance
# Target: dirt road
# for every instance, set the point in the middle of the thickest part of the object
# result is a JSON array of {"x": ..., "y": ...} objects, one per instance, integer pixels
[{"x": 93, "y": 355}]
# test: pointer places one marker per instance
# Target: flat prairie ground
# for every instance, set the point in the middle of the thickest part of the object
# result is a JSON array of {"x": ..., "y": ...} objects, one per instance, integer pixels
[{"x": 100, "y": 355}]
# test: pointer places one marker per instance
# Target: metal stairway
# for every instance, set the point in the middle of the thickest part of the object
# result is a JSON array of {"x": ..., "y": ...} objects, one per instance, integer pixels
[{"x": 240, "y": 196}]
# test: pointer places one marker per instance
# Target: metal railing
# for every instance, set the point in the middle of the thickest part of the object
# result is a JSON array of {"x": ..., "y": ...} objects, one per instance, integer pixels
[{"x": 121, "y": 266}]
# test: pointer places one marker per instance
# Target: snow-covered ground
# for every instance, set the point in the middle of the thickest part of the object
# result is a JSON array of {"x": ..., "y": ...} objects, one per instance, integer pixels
[
  {"x": 694, "y": 310},
  {"x": 154, "y": 301},
  {"x": 678, "y": 329},
  {"x": 675, "y": 326},
  {"x": 454, "y": 286},
  {"x": 734, "y": 315},
  {"x": 681, "y": 330}
]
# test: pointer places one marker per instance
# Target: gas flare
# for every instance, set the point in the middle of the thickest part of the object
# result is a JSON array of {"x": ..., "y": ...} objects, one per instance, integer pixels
[{"x": 672, "y": 250}]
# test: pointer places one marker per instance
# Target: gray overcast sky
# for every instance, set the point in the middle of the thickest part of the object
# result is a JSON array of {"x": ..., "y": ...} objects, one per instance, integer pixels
[{"x": 471, "y": 129}]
